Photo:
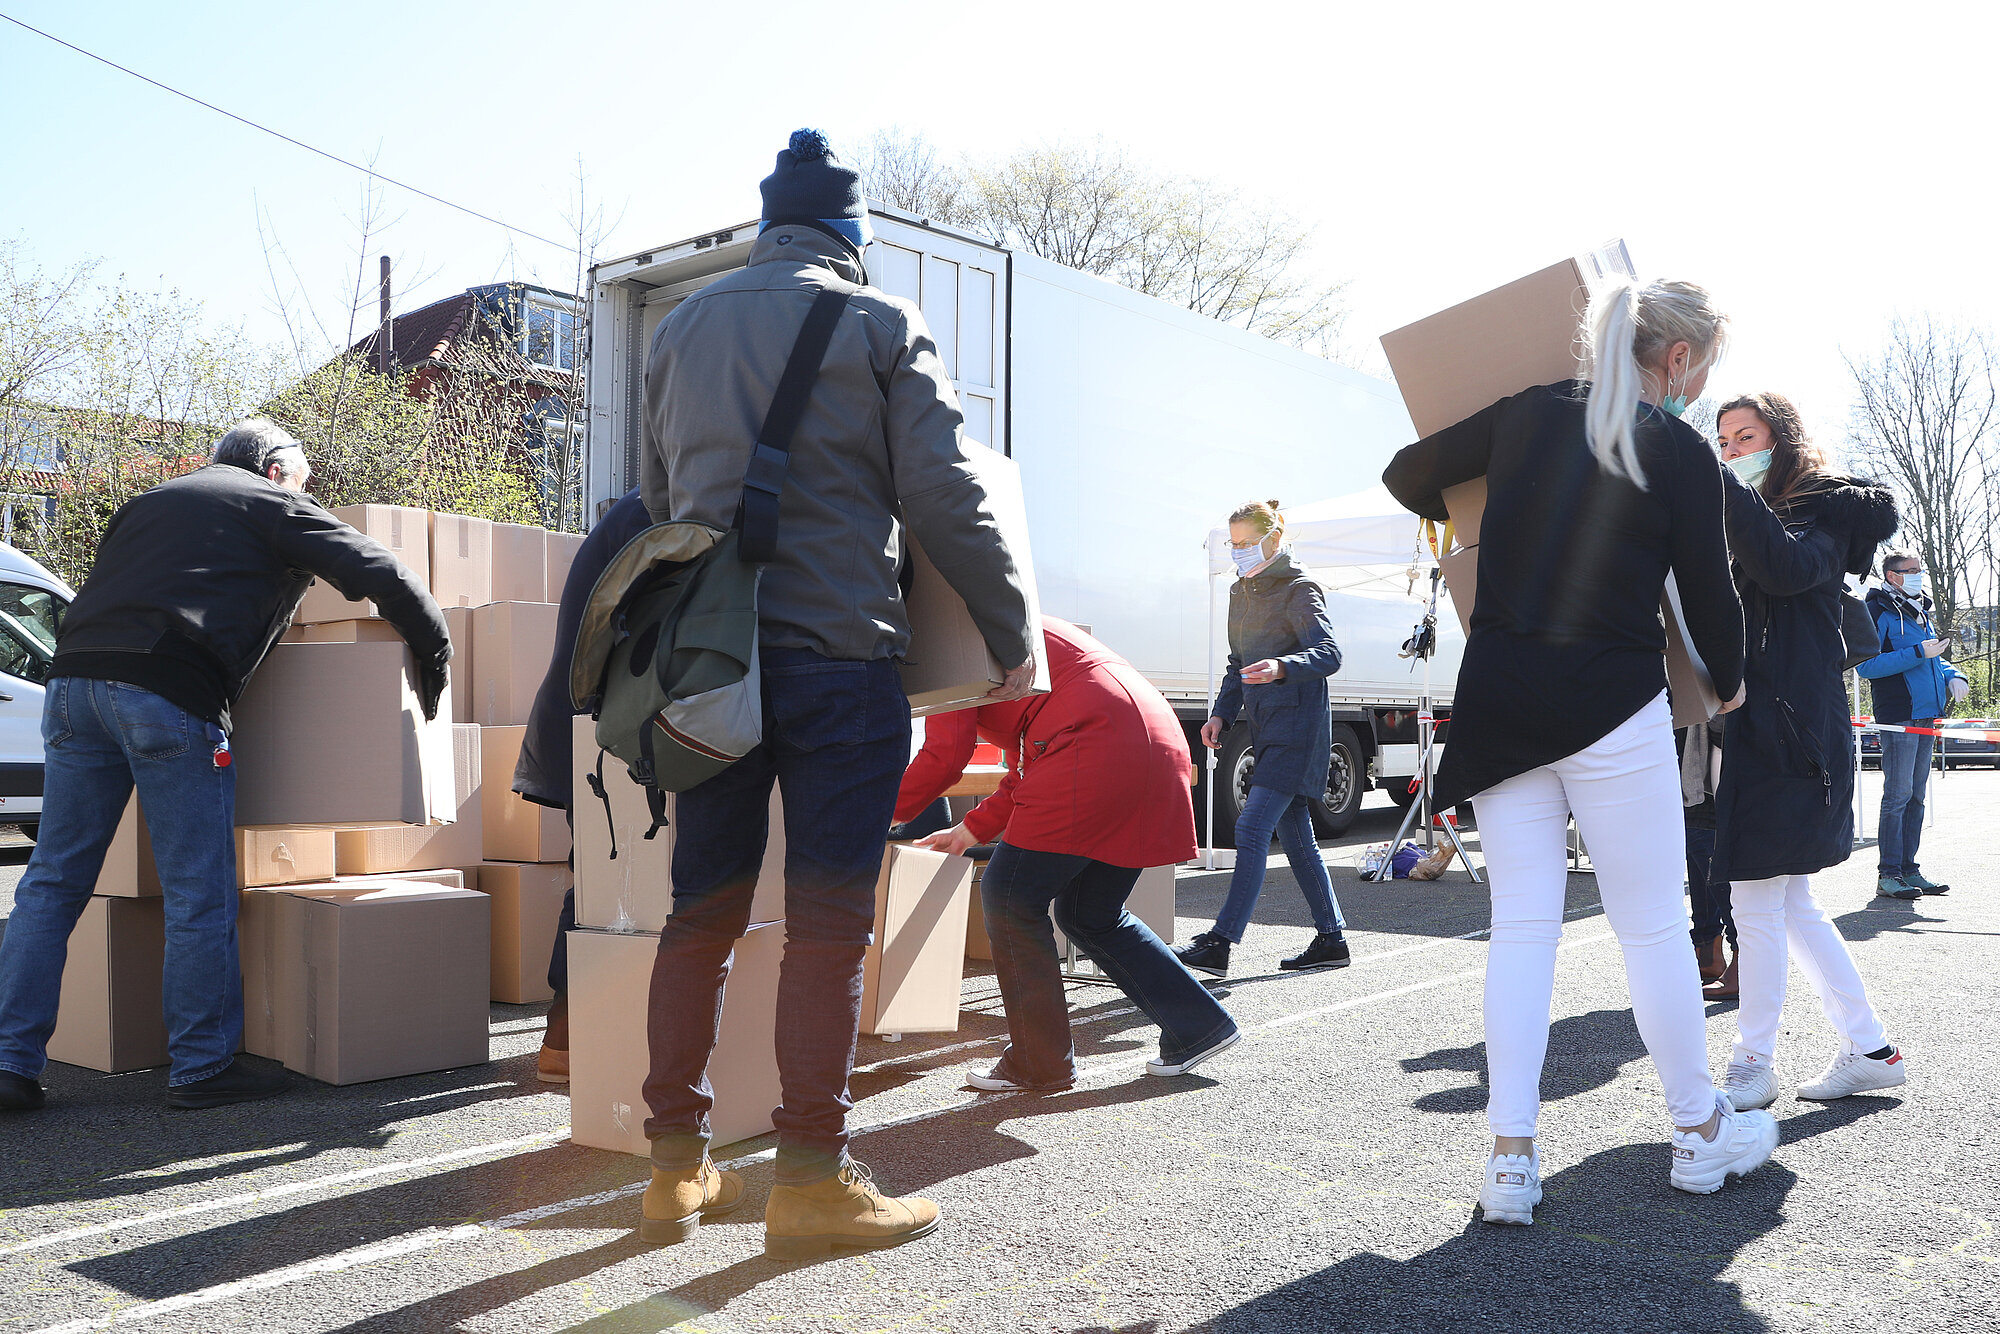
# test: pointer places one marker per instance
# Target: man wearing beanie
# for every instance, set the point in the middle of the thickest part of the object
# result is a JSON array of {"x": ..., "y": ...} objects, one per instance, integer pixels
[{"x": 880, "y": 446}]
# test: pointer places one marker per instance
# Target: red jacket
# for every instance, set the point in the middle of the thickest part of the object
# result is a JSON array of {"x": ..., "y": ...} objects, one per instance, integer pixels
[{"x": 1098, "y": 767}]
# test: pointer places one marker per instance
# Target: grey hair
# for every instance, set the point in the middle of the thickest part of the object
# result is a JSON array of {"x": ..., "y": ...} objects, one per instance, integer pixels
[
  {"x": 1630, "y": 323},
  {"x": 1898, "y": 554},
  {"x": 258, "y": 442}
]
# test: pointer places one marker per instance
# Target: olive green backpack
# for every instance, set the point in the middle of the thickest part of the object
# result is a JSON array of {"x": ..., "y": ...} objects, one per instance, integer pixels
[{"x": 666, "y": 651}]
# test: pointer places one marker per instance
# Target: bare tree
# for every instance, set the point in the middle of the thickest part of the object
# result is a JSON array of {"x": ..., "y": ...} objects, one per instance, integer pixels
[
  {"x": 1927, "y": 422},
  {"x": 905, "y": 172}
]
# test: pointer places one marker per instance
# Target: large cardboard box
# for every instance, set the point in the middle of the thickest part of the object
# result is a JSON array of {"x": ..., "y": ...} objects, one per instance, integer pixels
[
  {"x": 376, "y": 982},
  {"x": 520, "y": 563},
  {"x": 609, "y": 977},
  {"x": 334, "y": 734},
  {"x": 461, "y": 560},
  {"x": 380, "y": 849},
  {"x": 527, "y": 904},
  {"x": 1152, "y": 902},
  {"x": 344, "y": 632},
  {"x": 947, "y": 665},
  {"x": 911, "y": 975},
  {"x": 464, "y": 668},
  {"x": 562, "y": 549},
  {"x": 283, "y": 855},
  {"x": 128, "y": 871},
  {"x": 109, "y": 1017},
  {"x": 512, "y": 643},
  {"x": 636, "y": 891},
  {"x": 406, "y": 532},
  {"x": 512, "y": 829}
]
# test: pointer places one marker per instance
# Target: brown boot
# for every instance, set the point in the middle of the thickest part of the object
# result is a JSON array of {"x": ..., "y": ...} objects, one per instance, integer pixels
[
  {"x": 1724, "y": 987},
  {"x": 552, "y": 1065},
  {"x": 843, "y": 1210},
  {"x": 679, "y": 1199},
  {"x": 1708, "y": 955}
]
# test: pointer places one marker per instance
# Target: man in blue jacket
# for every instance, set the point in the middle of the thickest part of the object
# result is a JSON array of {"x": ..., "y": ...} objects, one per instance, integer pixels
[{"x": 1914, "y": 686}]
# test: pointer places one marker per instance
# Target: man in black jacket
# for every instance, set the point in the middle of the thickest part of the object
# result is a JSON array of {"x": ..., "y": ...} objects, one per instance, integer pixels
[{"x": 193, "y": 583}]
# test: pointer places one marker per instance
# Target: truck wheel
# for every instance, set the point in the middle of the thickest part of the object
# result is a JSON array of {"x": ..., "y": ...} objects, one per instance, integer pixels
[
  {"x": 1399, "y": 792},
  {"x": 1236, "y": 762},
  {"x": 1334, "y": 813}
]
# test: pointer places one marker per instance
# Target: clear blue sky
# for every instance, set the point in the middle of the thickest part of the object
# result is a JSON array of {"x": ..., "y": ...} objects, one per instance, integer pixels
[{"x": 1818, "y": 166}]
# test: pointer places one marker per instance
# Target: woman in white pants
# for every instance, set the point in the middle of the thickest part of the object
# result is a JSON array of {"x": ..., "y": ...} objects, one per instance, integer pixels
[
  {"x": 1785, "y": 807},
  {"x": 1595, "y": 493}
]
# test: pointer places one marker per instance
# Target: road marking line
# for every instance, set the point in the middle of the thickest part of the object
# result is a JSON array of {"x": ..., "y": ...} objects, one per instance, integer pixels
[
  {"x": 288, "y": 1188},
  {"x": 430, "y": 1238}
]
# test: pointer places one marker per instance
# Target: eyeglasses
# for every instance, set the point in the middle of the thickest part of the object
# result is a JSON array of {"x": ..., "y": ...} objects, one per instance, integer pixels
[{"x": 1907, "y": 569}]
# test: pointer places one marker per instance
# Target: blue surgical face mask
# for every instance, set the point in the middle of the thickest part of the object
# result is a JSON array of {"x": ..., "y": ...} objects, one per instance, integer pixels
[
  {"x": 1674, "y": 404},
  {"x": 1246, "y": 561},
  {"x": 1913, "y": 583},
  {"x": 1752, "y": 467}
]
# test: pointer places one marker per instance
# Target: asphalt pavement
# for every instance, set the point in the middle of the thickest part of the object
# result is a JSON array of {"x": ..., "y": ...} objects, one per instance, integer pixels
[{"x": 1320, "y": 1176}]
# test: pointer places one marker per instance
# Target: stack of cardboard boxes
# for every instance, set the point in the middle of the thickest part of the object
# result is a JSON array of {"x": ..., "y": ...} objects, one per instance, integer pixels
[{"x": 391, "y": 881}]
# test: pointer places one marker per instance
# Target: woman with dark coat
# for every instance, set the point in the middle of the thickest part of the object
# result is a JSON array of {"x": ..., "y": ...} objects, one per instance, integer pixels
[
  {"x": 1096, "y": 791},
  {"x": 1785, "y": 806},
  {"x": 1281, "y": 651}
]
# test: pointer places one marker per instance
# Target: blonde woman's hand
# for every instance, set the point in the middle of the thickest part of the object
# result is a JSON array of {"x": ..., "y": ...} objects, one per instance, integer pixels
[
  {"x": 1264, "y": 672},
  {"x": 1211, "y": 734},
  {"x": 1735, "y": 701}
]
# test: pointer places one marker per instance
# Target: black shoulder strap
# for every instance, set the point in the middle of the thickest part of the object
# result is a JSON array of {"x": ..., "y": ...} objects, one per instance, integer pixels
[{"x": 764, "y": 480}]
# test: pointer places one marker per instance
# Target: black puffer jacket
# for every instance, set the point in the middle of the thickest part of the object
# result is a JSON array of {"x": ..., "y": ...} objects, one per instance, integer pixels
[{"x": 1785, "y": 805}]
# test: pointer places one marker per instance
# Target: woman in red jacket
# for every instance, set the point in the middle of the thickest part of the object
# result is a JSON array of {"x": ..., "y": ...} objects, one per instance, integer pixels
[{"x": 1096, "y": 791}]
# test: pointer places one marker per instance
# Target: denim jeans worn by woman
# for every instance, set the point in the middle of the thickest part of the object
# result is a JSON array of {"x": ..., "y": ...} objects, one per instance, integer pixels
[
  {"x": 1906, "y": 771},
  {"x": 836, "y": 738},
  {"x": 101, "y": 738},
  {"x": 1020, "y": 891},
  {"x": 1269, "y": 811}
]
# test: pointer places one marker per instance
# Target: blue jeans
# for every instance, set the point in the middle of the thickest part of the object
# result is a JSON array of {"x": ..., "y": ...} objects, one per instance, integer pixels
[
  {"x": 1906, "y": 768},
  {"x": 836, "y": 741},
  {"x": 101, "y": 738},
  {"x": 1019, "y": 892},
  {"x": 1269, "y": 810},
  {"x": 1708, "y": 899}
]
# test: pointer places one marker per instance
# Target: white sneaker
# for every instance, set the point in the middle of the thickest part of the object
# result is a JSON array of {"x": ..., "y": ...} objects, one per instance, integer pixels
[
  {"x": 1742, "y": 1144},
  {"x": 1512, "y": 1189},
  {"x": 1750, "y": 1084},
  {"x": 1852, "y": 1072},
  {"x": 1156, "y": 1066}
]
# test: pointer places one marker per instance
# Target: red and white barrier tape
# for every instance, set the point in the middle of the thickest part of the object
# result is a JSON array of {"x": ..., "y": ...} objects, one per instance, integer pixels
[{"x": 1967, "y": 733}]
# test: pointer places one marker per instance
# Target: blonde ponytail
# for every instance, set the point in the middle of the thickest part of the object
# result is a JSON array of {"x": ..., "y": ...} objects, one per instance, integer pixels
[{"x": 1630, "y": 324}]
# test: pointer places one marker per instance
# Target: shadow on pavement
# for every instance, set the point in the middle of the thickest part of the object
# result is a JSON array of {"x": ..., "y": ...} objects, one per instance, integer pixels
[
  {"x": 1586, "y": 1051},
  {"x": 1883, "y": 915}
]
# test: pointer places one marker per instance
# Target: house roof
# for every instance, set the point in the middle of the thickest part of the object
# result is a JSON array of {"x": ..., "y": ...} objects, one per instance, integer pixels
[
  {"x": 426, "y": 336},
  {"x": 427, "y": 333}
]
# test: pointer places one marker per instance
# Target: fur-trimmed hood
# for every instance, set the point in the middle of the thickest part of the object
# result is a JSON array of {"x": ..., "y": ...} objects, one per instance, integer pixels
[{"x": 1859, "y": 507}]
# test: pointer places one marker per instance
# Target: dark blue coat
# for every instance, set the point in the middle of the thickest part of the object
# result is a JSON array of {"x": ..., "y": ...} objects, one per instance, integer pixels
[
  {"x": 543, "y": 773},
  {"x": 1279, "y": 613}
]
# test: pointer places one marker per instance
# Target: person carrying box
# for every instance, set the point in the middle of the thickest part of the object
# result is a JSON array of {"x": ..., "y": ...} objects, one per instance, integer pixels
[
  {"x": 194, "y": 581},
  {"x": 879, "y": 445}
]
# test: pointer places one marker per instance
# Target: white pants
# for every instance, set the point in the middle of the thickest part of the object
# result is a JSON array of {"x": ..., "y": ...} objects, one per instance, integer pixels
[
  {"x": 1768, "y": 912},
  {"x": 1625, "y": 792}
]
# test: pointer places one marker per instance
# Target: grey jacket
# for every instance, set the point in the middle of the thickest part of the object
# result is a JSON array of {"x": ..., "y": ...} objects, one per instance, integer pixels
[{"x": 880, "y": 445}]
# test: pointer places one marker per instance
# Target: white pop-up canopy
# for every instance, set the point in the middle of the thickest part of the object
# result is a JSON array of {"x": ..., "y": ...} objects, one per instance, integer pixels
[{"x": 1362, "y": 544}]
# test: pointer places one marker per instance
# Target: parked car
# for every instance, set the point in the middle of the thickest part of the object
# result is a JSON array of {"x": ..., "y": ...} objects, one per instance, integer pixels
[
  {"x": 33, "y": 603},
  {"x": 1871, "y": 748},
  {"x": 1962, "y": 743}
]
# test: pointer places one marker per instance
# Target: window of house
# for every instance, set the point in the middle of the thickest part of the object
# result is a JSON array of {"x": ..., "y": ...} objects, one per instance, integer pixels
[{"x": 552, "y": 335}]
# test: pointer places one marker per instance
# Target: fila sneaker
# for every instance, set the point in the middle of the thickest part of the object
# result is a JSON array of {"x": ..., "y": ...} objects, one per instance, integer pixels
[
  {"x": 1750, "y": 1082},
  {"x": 1512, "y": 1189},
  {"x": 1852, "y": 1072},
  {"x": 1742, "y": 1144}
]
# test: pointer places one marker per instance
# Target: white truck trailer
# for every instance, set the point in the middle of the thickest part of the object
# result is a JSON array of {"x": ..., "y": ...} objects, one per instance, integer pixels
[{"x": 1138, "y": 425}]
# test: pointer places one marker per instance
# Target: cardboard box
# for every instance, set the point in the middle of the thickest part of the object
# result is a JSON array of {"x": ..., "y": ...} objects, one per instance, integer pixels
[
  {"x": 514, "y": 830},
  {"x": 947, "y": 665},
  {"x": 910, "y": 976},
  {"x": 461, "y": 560},
  {"x": 527, "y": 904},
  {"x": 520, "y": 563},
  {"x": 1451, "y": 364},
  {"x": 109, "y": 1017},
  {"x": 334, "y": 734},
  {"x": 406, "y": 532},
  {"x": 635, "y": 892},
  {"x": 445, "y": 877},
  {"x": 344, "y": 632},
  {"x": 381, "y": 849},
  {"x": 464, "y": 668},
  {"x": 512, "y": 643},
  {"x": 562, "y": 549},
  {"x": 1152, "y": 902},
  {"x": 609, "y": 979},
  {"x": 283, "y": 855},
  {"x": 1466, "y": 503},
  {"x": 128, "y": 871},
  {"x": 377, "y": 982}
]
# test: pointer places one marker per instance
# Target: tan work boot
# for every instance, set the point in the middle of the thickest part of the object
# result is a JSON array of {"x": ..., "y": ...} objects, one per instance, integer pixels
[
  {"x": 552, "y": 1065},
  {"x": 844, "y": 1210},
  {"x": 679, "y": 1199}
]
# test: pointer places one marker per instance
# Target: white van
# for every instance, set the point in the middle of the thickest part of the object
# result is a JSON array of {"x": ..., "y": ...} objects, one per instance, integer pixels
[{"x": 33, "y": 603}]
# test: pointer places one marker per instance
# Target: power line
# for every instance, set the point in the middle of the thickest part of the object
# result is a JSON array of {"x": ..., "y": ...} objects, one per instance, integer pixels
[{"x": 331, "y": 157}]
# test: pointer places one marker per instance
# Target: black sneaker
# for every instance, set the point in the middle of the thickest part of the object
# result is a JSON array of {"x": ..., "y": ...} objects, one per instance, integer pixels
[
  {"x": 18, "y": 1093},
  {"x": 241, "y": 1082},
  {"x": 1209, "y": 953},
  {"x": 1325, "y": 952}
]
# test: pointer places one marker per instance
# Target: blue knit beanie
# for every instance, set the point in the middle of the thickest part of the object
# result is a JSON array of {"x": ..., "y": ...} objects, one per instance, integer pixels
[{"x": 808, "y": 186}]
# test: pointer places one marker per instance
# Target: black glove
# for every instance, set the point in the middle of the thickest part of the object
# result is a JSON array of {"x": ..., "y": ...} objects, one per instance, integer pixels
[{"x": 431, "y": 680}]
